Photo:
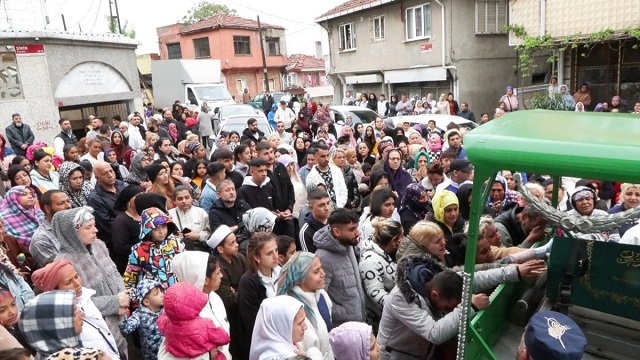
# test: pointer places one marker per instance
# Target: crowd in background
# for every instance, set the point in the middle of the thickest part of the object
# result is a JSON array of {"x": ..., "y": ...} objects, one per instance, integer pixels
[{"x": 321, "y": 240}]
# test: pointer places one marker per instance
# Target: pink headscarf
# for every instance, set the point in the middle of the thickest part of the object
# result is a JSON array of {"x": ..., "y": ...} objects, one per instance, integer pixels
[{"x": 352, "y": 140}]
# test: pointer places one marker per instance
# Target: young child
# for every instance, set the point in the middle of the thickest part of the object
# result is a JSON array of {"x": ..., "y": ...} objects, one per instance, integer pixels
[
  {"x": 187, "y": 334},
  {"x": 150, "y": 295},
  {"x": 9, "y": 314},
  {"x": 232, "y": 265},
  {"x": 286, "y": 248},
  {"x": 151, "y": 257}
]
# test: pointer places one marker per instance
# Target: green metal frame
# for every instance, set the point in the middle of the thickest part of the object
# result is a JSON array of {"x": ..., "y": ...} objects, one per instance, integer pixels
[{"x": 586, "y": 145}]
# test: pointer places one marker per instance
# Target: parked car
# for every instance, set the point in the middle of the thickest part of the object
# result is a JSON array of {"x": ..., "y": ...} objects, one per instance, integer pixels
[
  {"x": 256, "y": 102},
  {"x": 233, "y": 110},
  {"x": 358, "y": 115},
  {"x": 441, "y": 121},
  {"x": 239, "y": 123}
]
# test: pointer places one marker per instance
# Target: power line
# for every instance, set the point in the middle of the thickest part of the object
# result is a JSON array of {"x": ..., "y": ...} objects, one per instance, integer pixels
[
  {"x": 275, "y": 16},
  {"x": 303, "y": 29},
  {"x": 96, "y": 18},
  {"x": 85, "y": 15}
]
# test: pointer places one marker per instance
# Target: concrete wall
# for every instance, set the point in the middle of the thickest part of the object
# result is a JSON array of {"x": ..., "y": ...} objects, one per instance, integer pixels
[
  {"x": 41, "y": 75},
  {"x": 391, "y": 53},
  {"x": 38, "y": 108}
]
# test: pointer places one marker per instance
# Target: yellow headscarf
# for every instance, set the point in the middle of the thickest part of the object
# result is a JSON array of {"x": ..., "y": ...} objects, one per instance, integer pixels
[{"x": 441, "y": 200}]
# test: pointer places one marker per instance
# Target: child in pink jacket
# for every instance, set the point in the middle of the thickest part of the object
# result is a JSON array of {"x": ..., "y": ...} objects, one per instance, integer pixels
[{"x": 187, "y": 335}]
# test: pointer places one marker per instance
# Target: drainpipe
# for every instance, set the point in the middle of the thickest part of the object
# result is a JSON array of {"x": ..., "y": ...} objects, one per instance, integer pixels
[
  {"x": 444, "y": 46},
  {"x": 561, "y": 69}
]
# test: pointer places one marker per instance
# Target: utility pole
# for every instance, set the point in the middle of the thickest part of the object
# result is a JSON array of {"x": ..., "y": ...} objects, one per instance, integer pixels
[
  {"x": 264, "y": 60},
  {"x": 117, "y": 17}
]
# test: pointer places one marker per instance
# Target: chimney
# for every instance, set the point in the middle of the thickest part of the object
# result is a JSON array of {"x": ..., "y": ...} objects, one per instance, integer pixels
[{"x": 318, "y": 49}]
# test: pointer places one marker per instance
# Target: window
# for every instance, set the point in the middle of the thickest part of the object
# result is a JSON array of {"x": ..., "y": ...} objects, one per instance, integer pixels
[
  {"x": 491, "y": 16},
  {"x": 418, "y": 22},
  {"x": 242, "y": 45},
  {"x": 291, "y": 80},
  {"x": 347, "y": 34},
  {"x": 273, "y": 46},
  {"x": 378, "y": 28},
  {"x": 174, "y": 51},
  {"x": 241, "y": 84},
  {"x": 191, "y": 97},
  {"x": 201, "y": 47},
  {"x": 272, "y": 86}
]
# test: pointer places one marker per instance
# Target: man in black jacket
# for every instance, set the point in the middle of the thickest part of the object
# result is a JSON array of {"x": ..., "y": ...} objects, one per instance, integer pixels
[
  {"x": 316, "y": 219},
  {"x": 267, "y": 102},
  {"x": 286, "y": 198},
  {"x": 227, "y": 210},
  {"x": 252, "y": 132},
  {"x": 257, "y": 189},
  {"x": 19, "y": 135},
  {"x": 102, "y": 199}
]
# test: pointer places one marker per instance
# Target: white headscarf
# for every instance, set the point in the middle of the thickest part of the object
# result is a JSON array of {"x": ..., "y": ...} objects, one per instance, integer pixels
[
  {"x": 191, "y": 267},
  {"x": 272, "y": 334}
]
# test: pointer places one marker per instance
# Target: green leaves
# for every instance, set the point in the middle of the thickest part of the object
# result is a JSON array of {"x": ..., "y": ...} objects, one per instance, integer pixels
[{"x": 204, "y": 10}]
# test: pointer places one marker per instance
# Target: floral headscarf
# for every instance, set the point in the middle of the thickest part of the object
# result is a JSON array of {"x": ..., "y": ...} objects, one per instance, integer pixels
[
  {"x": 78, "y": 197},
  {"x": 510, "y": 196},
  {"x": 411, "y": 200},
  {"x": 18, "y": 221},
  {"x": 258, "y": 219}
]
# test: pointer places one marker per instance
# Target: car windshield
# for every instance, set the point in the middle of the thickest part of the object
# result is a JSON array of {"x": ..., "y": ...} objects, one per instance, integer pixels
[
  {"x": 227, "y": 111},
  {"x": 212, "y": 93},
  {"x": 240, "y": 126},
  {"x": 365, "y": 117}
]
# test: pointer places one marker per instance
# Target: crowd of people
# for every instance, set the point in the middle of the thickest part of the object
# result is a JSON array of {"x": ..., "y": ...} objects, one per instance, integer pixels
[{"x": 315, "y": 242}]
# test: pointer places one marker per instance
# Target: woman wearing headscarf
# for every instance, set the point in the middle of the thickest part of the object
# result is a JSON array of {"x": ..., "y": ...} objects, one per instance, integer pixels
[
  {"x": 579, "y": 107},
  {"x": 126, "y": 226},
  {"x": 302, "y": 278},
  {"x": 137, "y": 174},
  {"x": 202, "y": 270},
  {"x": 302, "y": 121},
  {"x": 420, "y": 163},
  {"x": 354, "y": 341},
  {"x": 61, "y": 275},
  {"x": 300, "y": 151},
  {"x": 111, "y": 157},
  {"x": 414, "y": 206},
  {"x": 72, "y": 182},
  {"x": 20, "y": 214},
  {"x": 567, "y": 99},
  {"x": 446, "y": 215},
  {"x": 51, "y": 323},
  {"x": 279, "y": 329},
  {"x": 76, "y": 231},
  {"x": 399, "y": 178},
  {"x": 299, "y": 189},
  {"x": 348, "y": 131},
  {"x": 435, "y": 147},
  {"x": 11, "y": 280},
  {"x": 501, "y": 199}
]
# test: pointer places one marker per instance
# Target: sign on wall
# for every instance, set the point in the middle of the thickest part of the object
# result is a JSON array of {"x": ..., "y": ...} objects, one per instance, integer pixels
[
  {"x": 34, "y": 49},
  {"x": 426, "y": 47},
  {"x": 89, "y": 79}
]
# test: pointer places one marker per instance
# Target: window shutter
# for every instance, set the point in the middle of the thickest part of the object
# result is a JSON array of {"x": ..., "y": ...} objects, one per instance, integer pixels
[
  {"x": 492, "y": 16},
  {"x": 481, "y": 16},
  {"x": 501, "y": 11}
]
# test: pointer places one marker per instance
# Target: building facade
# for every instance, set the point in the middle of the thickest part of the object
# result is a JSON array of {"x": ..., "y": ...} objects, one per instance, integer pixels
[
  {"x": 308, "y": 74},
  {"x": 50, "y": 75},
  {"x": 234, "y": 41},
  {"x": 609, "y": 68},
  {"x": 416, "y": 47}
]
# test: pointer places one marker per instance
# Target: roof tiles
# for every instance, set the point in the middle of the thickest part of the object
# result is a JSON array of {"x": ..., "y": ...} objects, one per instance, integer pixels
[{"x": 226, "y": 21}]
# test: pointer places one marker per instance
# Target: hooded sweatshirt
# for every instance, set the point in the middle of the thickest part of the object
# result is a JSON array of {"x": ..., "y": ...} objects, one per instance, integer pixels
[
  {"x": 145, "y": 320},
  {"x": 191, "y": 267},
  {"x": 187, "y": 333},
  {"x": 257, "y": 195},
  {"x": 95, "y": 268},
  {"x": 152, "y": 259},
  {"x": 342, "y": 277},
  {"x": 46, "y": 323}
]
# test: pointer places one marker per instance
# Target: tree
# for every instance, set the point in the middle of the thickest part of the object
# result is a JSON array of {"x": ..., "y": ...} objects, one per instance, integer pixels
[
  {"x": 113, "y": 27},
  {"x": 204, "y": 10}
]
